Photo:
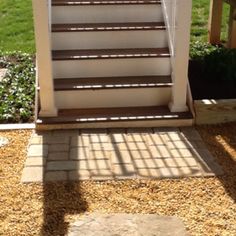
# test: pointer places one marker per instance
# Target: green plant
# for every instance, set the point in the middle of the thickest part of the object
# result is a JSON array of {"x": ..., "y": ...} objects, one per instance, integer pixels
[
  {"x": 199, "y": 50},
  {"x": 17, "y": 89}
]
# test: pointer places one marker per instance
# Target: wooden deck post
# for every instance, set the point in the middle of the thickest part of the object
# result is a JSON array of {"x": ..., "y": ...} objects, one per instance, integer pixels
[
  {"x": 181, "y": 56},
  {"x": 232, "y": 27},
  {"x": 44, "y": 62},
  {"x": 215, "y": 18}
]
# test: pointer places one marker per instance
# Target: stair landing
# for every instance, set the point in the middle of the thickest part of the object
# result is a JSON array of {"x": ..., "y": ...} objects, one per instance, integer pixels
[{"x": 110, "y": 154}]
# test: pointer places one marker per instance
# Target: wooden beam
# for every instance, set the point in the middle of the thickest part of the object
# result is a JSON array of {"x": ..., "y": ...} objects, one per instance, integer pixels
[
  {"x": 215, "y": 18},
  {"x": 232, "y": 28}
]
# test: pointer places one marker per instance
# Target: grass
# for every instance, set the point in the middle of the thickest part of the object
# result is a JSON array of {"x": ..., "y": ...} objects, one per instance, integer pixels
[
  {"x": 16, "y": 26},
  {"x": 200, "y": 16},
  {"x": 17, "y": 33}
]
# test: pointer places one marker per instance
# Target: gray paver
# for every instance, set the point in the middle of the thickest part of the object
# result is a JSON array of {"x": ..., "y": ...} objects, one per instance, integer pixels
[
  {"x": 125, "y": 170},
  {"x": 35, "y": 161},
  {"x": 58, "y": 156},
  {"x": 79, "y": 153},
  {"x": 79, "y": 175},
  {"x": 160, "y": 152},
  {"x": 127, "y": 225},
  {"x": 59, "y": 148},
  {"x": 80, "y": 141},
  {"x": 32, "y": 174},
  {"x": 121, "y": 157},
  {"x": 117, "y": 137},
  {"x": 38, "y": 150},
  {"x": 118, "y": 154},
  {"x": 62, "y": 165},
  {"x": 52, "y": 176}
]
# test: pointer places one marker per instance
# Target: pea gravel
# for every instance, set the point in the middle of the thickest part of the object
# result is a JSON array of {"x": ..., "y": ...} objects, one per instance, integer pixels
[{"x": 206, "y": 205}]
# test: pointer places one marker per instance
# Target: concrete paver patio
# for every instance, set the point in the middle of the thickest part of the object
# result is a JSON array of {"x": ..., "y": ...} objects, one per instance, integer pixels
[{"x": 108, "y": 154}]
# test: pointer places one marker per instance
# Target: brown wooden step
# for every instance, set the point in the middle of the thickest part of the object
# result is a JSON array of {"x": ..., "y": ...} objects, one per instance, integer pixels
[
  {"x": 101, "y": 2},
  {"x": 95, "y": 83},
  {"x": 121, "y": 114},
  {"x": 108, "y": 26},
  {"x": 86, "y": 54}
]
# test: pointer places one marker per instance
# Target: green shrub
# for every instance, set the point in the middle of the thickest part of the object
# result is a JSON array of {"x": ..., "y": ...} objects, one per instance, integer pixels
[
  {"x": 17, "y": 89},
  {"x": 199, "y": 50}
]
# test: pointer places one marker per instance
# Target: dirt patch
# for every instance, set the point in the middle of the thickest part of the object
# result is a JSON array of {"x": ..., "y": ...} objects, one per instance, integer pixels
[{"x": 206, "y": 205}]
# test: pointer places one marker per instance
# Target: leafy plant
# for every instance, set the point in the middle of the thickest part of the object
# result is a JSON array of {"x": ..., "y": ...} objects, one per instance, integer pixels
[
  {"x": 199, "y": 50},
  {"x": 17, "y": 89}
]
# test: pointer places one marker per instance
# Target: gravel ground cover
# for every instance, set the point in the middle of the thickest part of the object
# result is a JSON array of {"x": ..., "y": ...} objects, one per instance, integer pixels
[{"x": 206, "y": 205}]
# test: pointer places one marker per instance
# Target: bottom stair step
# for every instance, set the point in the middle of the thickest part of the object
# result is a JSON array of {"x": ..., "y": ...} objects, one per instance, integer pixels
[{"x": 115, "y": 118}]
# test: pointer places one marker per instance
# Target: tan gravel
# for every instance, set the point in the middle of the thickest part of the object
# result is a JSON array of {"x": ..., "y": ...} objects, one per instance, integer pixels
[{"x": 206, "y": 205}]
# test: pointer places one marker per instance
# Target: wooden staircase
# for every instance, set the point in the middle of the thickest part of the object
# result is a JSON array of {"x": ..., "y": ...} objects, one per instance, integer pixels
[{"x": 111, "y": 65}]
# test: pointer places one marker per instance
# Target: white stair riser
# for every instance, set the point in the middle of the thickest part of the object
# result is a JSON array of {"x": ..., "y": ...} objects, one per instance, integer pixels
[
  {"x": 112, "y": 98},
  {"x": 106, "y": 13},
  {"x": 111, "y": 67},
  {"x": 109, "y": 39}
]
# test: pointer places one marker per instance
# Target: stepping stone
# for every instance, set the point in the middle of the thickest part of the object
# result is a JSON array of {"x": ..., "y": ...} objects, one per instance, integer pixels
[
  {"x": 127, "y": 225},
  {"x": 3, "y": 141}
]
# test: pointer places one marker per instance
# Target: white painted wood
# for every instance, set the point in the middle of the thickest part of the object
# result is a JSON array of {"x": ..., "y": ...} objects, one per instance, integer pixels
[
  {"x": 107, "y": 13},
  {"x": 113, "y": 98},
  {"x": 17, "y": 126},
  {"x": 177, "y": 14},
  {"x": 111, "y": 67},
  {"x": 169, "y": 9},
  {"x": 171, "y": 122},
  {"x": 44, "y": 63},
  {"x": 109, "y": 39}
]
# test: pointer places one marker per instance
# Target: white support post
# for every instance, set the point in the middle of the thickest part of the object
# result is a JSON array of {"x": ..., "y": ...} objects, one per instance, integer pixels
[
  {"x": 44, "y": 62},
  {"x": 181, "y": 56}
]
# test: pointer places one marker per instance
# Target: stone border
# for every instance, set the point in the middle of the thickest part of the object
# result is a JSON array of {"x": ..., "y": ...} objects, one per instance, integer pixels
[
  {"x": 17, "y": 126},
  {"x": 212, "y": 111}
]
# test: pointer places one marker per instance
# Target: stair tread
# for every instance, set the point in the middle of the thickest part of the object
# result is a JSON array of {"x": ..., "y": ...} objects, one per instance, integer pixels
[
  {"x": 108, "y": 26},
  {"x": 63, "y": 84},
  {"x": 114, "y": 114},
  {"x": 109, "y": 53},
  {"x": 102, "y": 2}
]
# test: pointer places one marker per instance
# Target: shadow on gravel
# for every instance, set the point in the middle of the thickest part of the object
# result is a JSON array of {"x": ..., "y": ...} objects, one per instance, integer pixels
[
  {"x": 221, "y": 141},
  {"x": 60, "y": 199}
]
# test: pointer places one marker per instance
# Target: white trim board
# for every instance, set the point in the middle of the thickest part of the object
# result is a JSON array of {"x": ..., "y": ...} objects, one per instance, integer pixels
[{"x": 17, "y": 126}]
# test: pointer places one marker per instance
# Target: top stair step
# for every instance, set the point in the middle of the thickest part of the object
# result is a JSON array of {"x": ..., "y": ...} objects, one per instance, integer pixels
[{"x": 102, "y": 2}]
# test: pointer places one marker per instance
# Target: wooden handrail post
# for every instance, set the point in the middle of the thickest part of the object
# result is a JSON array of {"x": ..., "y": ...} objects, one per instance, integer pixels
[
  {"x": 181, "y": 56},
  {"x": 44, "y": 62},
  {"x": 232, "y": 27},
  {"x": 215, "y": 18}
]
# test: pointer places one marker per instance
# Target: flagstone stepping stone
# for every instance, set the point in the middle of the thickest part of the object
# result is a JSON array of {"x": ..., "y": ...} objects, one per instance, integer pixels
[
  {"x": 127, "y": 225},
  {"x": 3, "y": 141}
]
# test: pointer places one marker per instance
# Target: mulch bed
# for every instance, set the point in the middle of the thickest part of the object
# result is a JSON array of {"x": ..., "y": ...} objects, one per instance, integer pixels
[
  {"x": 206, "y": 205},
  {"x": 209, "y": 88}
]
